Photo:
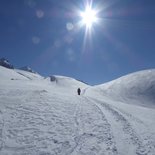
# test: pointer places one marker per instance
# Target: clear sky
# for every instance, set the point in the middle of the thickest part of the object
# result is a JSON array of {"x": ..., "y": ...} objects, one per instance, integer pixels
[{"x": 46, "y": 35}]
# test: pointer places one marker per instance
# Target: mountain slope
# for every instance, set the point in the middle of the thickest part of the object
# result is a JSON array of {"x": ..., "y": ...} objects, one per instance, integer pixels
[
  {"x": 5, "y": 63},
  {"x": 40, "y": 116},
  {"x": 137, "y": 88},
  {"x": 28, "y": 69}
]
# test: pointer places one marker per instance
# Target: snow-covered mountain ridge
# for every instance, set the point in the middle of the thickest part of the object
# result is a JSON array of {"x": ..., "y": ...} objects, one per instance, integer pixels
[
  {"x": 138, "y": 86},
  {"x": 5, "y": 63},
  {"x": 26, "y": 68},
  {"x": 27, "y": 76},
  {"x": 45, "y": 116}
]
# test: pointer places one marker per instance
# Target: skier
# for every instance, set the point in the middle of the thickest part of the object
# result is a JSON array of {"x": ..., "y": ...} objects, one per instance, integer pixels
[{"x": 79, "y": 91}]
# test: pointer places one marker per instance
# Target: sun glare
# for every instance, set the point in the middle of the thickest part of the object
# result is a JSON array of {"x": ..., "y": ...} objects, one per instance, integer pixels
[{"x": 89, "y": 17}]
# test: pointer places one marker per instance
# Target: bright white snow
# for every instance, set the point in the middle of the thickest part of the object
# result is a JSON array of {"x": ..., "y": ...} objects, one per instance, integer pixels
[{"x": 43, "y": 117}]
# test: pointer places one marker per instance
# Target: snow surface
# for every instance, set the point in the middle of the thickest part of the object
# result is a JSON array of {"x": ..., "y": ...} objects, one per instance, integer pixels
[
  {"x": 28, "y": 69},
  {"x": 43, "y": 117},
  {"x": 137, "y": 88}
]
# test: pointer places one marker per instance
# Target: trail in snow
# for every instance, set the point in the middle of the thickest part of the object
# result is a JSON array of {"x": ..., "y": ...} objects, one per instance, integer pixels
[
  {"x": 94, "y": 134},
  {"x": 24, "y": 75},
  {"x": 142, "y": 146}
]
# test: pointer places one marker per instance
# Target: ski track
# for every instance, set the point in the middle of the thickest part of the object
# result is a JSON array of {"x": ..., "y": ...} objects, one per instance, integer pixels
[
  {"x": 94, "y": 136},
  {"x": 143, "y": 146},
  {"x": 25, "y": 76},
  {"x": 133, "y": 118}
]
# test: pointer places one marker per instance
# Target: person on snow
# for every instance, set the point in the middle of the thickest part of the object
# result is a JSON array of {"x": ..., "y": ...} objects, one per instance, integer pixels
[{"x": 79, "y": 91}]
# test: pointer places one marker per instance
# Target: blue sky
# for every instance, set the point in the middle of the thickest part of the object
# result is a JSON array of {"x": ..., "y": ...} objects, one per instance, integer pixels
[{"x": 45, "y": 35}]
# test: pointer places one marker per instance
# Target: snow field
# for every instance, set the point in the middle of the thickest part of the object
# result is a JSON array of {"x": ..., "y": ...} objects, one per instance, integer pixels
[{"x": 43, "y": 117}]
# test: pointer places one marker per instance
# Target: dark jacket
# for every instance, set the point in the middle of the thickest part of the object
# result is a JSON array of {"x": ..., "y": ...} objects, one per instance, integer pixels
[{"x": 79, "y": 91}]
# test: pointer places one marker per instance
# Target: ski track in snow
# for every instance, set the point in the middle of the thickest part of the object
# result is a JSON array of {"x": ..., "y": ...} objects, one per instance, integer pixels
[
  {"x": 143, "y": 146},
  {"x": 94, "y": 136},
  {"x": 24, "y": 76}
]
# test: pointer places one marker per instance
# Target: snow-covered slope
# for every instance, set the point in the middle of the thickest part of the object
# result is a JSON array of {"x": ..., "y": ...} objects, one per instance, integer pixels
[
  {"x": 28, "y": 69},
  {"x": 28, "y": 75},
  {"x": 66, "y": 82},
  {"x": 138, "y": 87},
  {"x": 16, "y": 74},
  {"x": 40, "y": 116},
  {"x": 7, "y": 74}
]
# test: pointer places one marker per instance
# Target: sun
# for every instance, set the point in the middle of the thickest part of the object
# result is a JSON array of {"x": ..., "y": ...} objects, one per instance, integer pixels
[{"x": 88, "y": 17}]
